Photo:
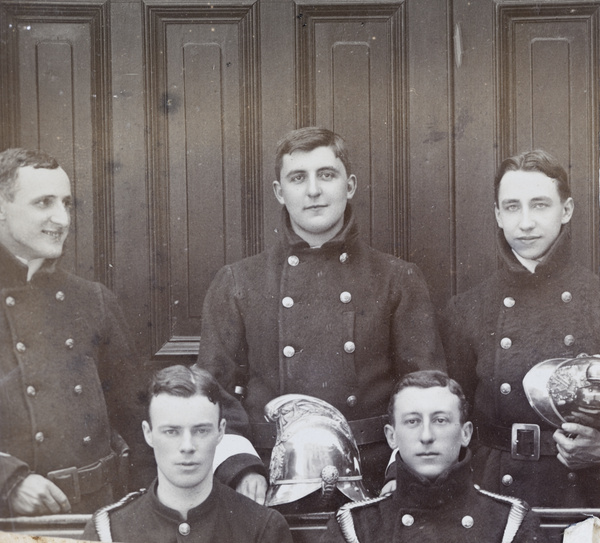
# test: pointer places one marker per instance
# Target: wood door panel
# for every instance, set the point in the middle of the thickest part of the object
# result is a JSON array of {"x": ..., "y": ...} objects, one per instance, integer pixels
[
  {"x": 202, "y": 90},
  {"x": 56, "y": 96},
  {"x": 548, "y": 58}
]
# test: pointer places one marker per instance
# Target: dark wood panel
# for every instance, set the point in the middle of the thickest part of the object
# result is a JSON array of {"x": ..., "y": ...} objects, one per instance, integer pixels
[
  {"x": 205, "y": 192},
  {"x": 548, "y": 77},
  {"x": 55, "y": 95},
  {"x": 351, "y": 63}
]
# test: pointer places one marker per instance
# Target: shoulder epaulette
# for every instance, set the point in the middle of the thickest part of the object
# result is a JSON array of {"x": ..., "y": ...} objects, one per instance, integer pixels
[
  {"x": 516, "y": 515},
  {"x": 101, "y": 519},
  {"x": 345, "y": 520}
]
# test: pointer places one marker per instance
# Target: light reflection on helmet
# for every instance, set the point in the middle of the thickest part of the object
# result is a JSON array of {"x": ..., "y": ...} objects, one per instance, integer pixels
[{"x": 314, "y": 449}]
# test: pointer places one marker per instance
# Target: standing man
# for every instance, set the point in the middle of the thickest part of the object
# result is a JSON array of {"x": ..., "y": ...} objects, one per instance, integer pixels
[
  {"x": 320, "y": 313},
  {"x": 538, "y": 305},
  {"x": 184, "y": 426},
  {"x": 64, "y": 355},
  {"x": 436, "y": 499}
]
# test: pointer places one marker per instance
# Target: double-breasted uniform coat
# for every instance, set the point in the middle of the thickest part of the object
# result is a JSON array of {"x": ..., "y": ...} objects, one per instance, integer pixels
[
  {"x": 493, "y": 334},
  {"x": 341, "y": 322},
  {"x": 448, "y": 509},
  {"x": 64, "y": 355},
  {"x": 224, "y": 517}
]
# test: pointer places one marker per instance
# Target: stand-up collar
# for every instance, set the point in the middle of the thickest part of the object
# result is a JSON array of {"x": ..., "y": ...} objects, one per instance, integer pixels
[
  {"x": 347, "y": 235},
  {"x": 554, "y": 261},
  {"x": 13, "y": 273},
  {"x": 196, "y": 514},
  {"x": 414, "y": 490}
]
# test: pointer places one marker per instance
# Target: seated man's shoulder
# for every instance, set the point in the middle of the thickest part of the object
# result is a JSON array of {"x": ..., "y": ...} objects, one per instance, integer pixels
[
  {"x": 238, "y": 504},
  {"x": 124, "y": 512}
]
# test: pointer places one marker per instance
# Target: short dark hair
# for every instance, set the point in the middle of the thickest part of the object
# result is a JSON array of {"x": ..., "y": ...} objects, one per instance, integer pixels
[
  {"x": 536, "y": 160},
  {"x": 430, "y": 379},
  {"x": 185, "y": 382},
  {"x": 307, "y": 139},
  {"x": 13, "y": 159}
]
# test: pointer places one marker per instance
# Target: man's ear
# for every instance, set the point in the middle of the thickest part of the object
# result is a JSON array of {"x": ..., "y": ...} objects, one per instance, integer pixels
[
  {"x": 278, "y": 192},
  {"x": 568, "y": 208},
  {"x": 390, "y": 435},
  {"x": 351, "y": 185},
  {"x": 147, "y": 429},
  {"x": 466, "y": 433},
  {"x": 498, "y": 217}
]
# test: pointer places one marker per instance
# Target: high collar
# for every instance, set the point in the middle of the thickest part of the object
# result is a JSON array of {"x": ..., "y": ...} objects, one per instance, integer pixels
[
  {"x": 342, "y": 240},
  {"x": 554, "y": 261},
  {"x": 414, "y": 490},
  {"x": 196, "y": 514},
  {"x": 13, "y": 273}
]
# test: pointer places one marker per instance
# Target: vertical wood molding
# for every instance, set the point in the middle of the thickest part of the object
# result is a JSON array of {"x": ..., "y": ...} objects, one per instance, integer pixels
[
  {"x": 158, "y": 18},
  {"x": 94, "y": 15}
]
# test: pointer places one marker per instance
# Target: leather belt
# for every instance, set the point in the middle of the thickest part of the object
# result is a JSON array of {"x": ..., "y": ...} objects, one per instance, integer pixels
[
  {"x": 365, "y": 431},
  {"x": 524, "y": 441},
  {"x": 75, "y": 482}
]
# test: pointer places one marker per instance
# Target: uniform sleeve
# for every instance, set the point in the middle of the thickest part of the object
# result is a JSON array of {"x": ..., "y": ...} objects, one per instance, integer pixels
[
  {"x": 416, "y": 342},
  {"x": 12, "y": 472},
  {"x": 530, "y": 530},
  {"x": 276, "y": 529},
  {"x": 223, "y": 352},
  {"x": 461, "y": 357},
  {"x": 332, "y": 533}
]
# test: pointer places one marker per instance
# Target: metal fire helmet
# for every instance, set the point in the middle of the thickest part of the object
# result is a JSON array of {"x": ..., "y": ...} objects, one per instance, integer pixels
[
  {"x": 314, "y": 449},
  {"x": 566, "y": 390}
]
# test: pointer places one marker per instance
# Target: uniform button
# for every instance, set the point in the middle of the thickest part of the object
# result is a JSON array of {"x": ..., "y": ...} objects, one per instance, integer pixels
[
  {"x": 10, "y": 301},
  {"x": 70, "y": 343},
  {"x": 60, "y": 296},
  {"x": 31, "y": 391},
  {"x": 344, "y": 257},
  {"x": 408, "y": 520},
  {"x": 21, "y": 347},
  {"x": 509, "y": 301},
  {"x": 87, "y": 440},
  {"x": 287, "y": 302},
  {"x": 506, "y": 343},
  {"x": 505, "y": 388},
  {"x": 467, "y": 521},
  {"x": 184, "y": 528},
  {"x": 345, "y": 297},
  {"x": 566, "y": 296},
  {"x": 39, "y": 437},
  {"x": 572, "y": 476},
  {"x": 569, "y": 340},
  {"x": 351, "y": 400},
  {"x": 349, "y": 347},
  {"x": 78, "y": 389},
  {"x": 289, "y": 351},
  {"x": 507, "y": 480},
  {"x": 293, "y": 260}
]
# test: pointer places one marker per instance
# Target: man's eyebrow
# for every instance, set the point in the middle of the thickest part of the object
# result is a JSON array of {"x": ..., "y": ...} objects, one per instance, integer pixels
[
  {"x": 328, "y": 169},
  {"x": 295, "y": 172}
]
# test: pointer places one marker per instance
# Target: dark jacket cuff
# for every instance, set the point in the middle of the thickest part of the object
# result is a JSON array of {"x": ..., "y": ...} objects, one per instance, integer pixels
[{"x": 231, "y": 471}]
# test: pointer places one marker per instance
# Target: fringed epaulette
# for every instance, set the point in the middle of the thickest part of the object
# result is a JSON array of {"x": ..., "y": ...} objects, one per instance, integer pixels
[
  {"x": 345, "y": 520},
  {"x": 101, "y": 518},
  {"x": 516, "y": 515}
]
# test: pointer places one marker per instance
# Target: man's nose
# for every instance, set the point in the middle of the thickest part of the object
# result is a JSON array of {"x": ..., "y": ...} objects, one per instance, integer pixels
[
  {"x": 427, "y": 435},
  {"x": 187, "y": 443},
  {"x": 527, "y": 221},
  {"x": 61, "y": 215},
  {"x": 313, "y": 187}
]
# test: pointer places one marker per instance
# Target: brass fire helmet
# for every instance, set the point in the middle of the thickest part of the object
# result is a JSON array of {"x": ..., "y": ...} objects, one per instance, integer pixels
[
  {"x": 566, "y": 390},
  {"x": 314, "y": 449}
]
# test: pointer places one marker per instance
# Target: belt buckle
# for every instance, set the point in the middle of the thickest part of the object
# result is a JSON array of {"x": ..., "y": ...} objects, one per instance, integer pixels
[
  {"x": 525, "y": 441},
  {"x": 67, "y": 480}
]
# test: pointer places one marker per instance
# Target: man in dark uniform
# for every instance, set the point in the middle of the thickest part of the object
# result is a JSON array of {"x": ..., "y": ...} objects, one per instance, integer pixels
[
  {"x": 539, "y": 305},
  {"x": 64, "y": 354},
  {"x": 185, "y": 503},
  {"x": 435, "y": 498},
  {"x": 320, "y": 313}
]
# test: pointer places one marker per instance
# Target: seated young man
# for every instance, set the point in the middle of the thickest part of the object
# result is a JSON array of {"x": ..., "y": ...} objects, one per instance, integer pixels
[
  {"x": 184, "y": 426},
  {"x": 435, "y": 499}
]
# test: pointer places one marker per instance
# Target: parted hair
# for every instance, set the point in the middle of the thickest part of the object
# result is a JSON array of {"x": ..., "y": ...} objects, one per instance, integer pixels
[
  {"x": 430, "y": 379},
  {"x": 185, "y": 382},
  {"x": 13, "y": 159},
  {"x": 307, "y": 139},
  {"x": 536, "y": 160}
]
